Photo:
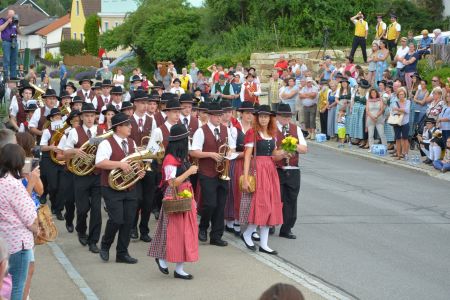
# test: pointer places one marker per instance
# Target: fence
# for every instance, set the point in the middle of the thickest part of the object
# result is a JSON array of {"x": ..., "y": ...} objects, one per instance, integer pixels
[
  {"x": 82, "y": 60},
  {"x": 441, "y": 52}
]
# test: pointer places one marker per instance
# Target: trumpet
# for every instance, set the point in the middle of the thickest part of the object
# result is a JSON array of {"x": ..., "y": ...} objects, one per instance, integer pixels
[
  {"x": 85, "y": 165},
  {"x": 119, "y": 180},
  {"x": 223, "y": 167}
]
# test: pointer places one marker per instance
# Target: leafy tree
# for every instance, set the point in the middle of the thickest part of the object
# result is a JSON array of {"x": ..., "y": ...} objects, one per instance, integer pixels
[
  {"x": 158, "y": 30},
  {"x": 91, "y": 34}
]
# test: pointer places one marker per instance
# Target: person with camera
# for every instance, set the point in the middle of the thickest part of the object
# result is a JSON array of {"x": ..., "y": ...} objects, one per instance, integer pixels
[
  {"x": 9, "y": 28},
  {"x": 361, "y": 31}
]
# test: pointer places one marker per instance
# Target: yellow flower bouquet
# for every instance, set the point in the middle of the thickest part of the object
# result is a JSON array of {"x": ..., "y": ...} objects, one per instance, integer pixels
[
  {"x": 289, "y": 144},
  {"x": 185, "y": 194}
]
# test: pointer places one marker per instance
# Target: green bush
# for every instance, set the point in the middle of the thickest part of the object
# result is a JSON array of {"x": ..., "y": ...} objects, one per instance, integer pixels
[
  {"x": 71, "y": 47},
  {"x": 48, "y": 56}
]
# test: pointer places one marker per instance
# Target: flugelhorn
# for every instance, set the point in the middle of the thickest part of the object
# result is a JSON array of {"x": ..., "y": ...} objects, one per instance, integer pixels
[
  {"x": 223, "y": 167},
  {"x": 119, "y": 180},
  {"x": 85, "y": 165}
]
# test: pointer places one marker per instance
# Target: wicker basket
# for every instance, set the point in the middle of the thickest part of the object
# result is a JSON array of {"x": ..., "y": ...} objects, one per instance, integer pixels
[{"x": 172, "y": 206}]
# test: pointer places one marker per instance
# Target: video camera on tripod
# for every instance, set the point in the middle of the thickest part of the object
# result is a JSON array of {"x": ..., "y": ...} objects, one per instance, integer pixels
[{"x": 13, "y": 36}]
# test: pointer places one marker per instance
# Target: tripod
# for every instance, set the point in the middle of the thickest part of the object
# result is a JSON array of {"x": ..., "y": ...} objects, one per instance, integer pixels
[{"x": 325, "y": 44}]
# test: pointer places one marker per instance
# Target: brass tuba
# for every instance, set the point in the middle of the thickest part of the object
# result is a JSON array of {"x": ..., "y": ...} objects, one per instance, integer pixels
[
  {"x": 119, "y": 180},
  {"x": 38, "y": 92},
  {"x": 56, "y": 138},
  {"x": 83, "y": 166},
  {"x": 223, "y": 167}
]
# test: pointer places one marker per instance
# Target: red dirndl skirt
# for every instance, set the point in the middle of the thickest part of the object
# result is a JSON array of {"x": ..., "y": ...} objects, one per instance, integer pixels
[
  {"x": 229, "y": 213},
  {"x": 264, "y": 206},
  {"x": 176, "y": 235}
]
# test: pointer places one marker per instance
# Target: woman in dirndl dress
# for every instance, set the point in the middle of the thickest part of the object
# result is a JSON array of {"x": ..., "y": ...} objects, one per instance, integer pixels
[
  {"x": 388, "y": 129},
  {"x": 237, "y": 165},
  {"x": 264, "y": 207},
  {"x": 343, "y": 97},
  {"x": 357, "y": 122},
  {"x": 332, "y": 109},
  {"x": 176, "y": 236}
]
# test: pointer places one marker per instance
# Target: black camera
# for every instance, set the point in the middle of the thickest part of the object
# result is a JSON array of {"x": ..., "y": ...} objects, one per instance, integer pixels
[
  {"x": 13, "y": 36},
  {"x": 15, "y": 19}
]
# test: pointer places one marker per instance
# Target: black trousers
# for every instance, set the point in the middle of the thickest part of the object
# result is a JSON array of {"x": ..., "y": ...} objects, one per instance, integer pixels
[
  {"x": 324, "y": 122},
  {"x": 290, "y": 188},
  {"x": 67, "y": 187},
  {"x": 50, "y": 176},
  {"x": 121, "y": 213},
  {"x": 88, "y": 200},
  {"x": 145, "y": 192},
  {"x": 158, "y": 193},
  {"x": 214, "y": 194},
  {"x": 392, "y": 46},
  {"x": 359, "y": 41}
]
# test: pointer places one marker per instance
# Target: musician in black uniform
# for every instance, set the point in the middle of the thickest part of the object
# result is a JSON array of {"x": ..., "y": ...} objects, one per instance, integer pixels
[{"x": 121, "y": 205}]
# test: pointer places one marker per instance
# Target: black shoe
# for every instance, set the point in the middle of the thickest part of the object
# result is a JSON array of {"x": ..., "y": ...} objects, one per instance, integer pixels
[
  {"x": 156, "y": 213},
  {"x": 104, "y": 254},
  {"x": 228, "y": 229},
  {"x": 255, "y": 237},
  {"x": 253, "y": 248},
  {"x": 428, "y": 161},
  {"x": 202, "y": 236},
  {"x": 69, "y": 227},
  {"x": 273, "y": 252},
  {"x": 163, "y": 270},
  {"x": 145, "y": 238},
  {"x": 59, "y": 216},
  {"x": 93, "y": 248},
  {"x": 133, "y": 234},
  {"x": 127, "y": 259},
  {"x": 82, "y": 238},
  {"x": 288, "y": 235},
  {"x": 272, "y": 230},
  {"x": 187, "y": 277},
  {"x": 220, "y": 243}
]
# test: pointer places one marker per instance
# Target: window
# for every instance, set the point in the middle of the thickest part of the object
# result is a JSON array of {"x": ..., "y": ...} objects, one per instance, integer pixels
[
  {"x": 74, "y": 35},
  {"x": 78, "y": 8},
  {"x": 106, "y": 26}
]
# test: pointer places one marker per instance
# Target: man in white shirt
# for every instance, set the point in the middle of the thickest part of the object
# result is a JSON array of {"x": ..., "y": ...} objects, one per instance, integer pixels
[
  {"x": 17, "y": 114},
  {"x": 121, "y": 205},
  {"x": 401, "y": 52},
  {"x": 87, "y": 188},
  {"x": 116, "y": 100},
  {"x": 86, "y": 93},
  {"x": 106, "y": 92},
  {"x": 250, "y": 90},
  {"x": 37, "y": 121},
  {"x": 288, "y": 169},
  {"x": 308, "y": 97},
  {"x": 214, "y": 191}
]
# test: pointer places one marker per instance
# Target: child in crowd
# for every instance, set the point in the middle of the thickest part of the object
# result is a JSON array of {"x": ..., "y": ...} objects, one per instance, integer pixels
[
  {"x": 444, "y": 164},
  {"x": 341, "y": 127}
]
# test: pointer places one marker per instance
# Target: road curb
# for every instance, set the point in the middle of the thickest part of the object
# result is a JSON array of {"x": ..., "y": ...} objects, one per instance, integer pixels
[{"x": 432, "y": 173}]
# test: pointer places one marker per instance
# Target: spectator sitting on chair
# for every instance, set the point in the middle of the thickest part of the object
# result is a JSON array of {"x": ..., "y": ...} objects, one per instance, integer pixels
[
  {"x": 425, "y": 42},
  {"x": 361, "y": 31},
  {"x": 439, "y": 39}
]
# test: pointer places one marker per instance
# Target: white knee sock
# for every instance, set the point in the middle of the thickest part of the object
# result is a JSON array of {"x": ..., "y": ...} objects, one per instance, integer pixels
[
  {"x": 248, "y": 234},
  {"x": 264, "y": 235},
  {"x": 230, "y": 224},
  {"x": 179, "y": 269},
  {"x": 162, "y": 263},
  {"x": 237, "y": 226}
]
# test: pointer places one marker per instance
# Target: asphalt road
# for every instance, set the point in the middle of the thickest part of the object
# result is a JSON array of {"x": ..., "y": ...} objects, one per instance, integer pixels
[{"x": 371, "y": 230}]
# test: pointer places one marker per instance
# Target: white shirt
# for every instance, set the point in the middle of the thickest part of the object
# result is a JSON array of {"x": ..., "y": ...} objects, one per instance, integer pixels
[
  {"x": 37, "y": 116},
  {"x": 46, "y": 136},
  {"x": 157, "y": 136},
  {"x": 177, "y": 91},
  {"x": 188, "y": 118},
  {"x": 101, "y": 118},
  {"x": 106, "y": 97},
  {"x": 72, "y": 139},
  {"x": 62, "y": 142},
  {"x": 88, "y": 92},
  {"x": 401, "y": 52},
  {"x": 94, "y": 100},
  {"x": 104, "y": 150},
  {"x": 14, "y": 106},
  {"x": 120, "y": 79},
  {"x": 301, "y": 141},
  {"x": 199, "y": 137}
]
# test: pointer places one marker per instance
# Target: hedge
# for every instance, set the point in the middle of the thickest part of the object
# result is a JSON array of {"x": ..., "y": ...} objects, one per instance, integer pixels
[{"x": 71, "y": 47}]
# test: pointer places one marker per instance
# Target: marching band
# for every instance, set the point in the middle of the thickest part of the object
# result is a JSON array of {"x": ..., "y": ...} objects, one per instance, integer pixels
[{"x": 143, "y": 154}]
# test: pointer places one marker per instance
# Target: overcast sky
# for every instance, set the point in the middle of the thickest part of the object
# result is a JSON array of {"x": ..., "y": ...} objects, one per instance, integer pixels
[{"x": 196, "y": 2}]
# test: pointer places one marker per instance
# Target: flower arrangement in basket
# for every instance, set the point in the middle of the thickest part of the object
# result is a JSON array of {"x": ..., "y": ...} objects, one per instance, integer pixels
[
  {"x": 179, "y": 202},
  {"x": 289, "y": 144}
]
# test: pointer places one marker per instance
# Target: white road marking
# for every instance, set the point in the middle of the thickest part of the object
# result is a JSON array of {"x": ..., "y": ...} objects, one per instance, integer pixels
[
  {"x": 296, "y": 275},
  {"x": 72, "y": 272}
]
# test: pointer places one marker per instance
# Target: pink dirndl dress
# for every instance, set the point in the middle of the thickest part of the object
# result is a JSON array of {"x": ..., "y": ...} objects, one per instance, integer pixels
[
  {"x": 176, "y": 235},
  {"x": 264, "y": 206}
]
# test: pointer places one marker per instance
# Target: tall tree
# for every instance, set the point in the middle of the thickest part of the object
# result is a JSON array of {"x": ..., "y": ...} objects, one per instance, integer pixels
[{"x": 91, "y": 34}]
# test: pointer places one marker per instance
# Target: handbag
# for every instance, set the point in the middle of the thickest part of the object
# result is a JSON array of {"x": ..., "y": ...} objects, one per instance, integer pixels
[
  {"x": 251, "y": 178},
  {"x": 395, "y": 119},
  {"x": 47, "y": 228},
  {"x": 173, "y": 204}
]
